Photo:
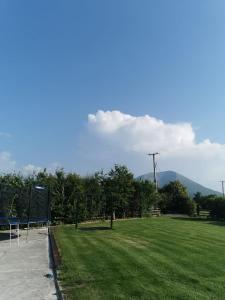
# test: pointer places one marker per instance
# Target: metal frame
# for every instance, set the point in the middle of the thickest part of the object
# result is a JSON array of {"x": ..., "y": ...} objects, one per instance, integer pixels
[
  {"x": 14, "y": 222},
  {"x": 17, "y": 224}
]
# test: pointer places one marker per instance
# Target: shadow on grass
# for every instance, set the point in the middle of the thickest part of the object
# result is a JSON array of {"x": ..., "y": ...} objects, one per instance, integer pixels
[
  {"x": 4, "y": 236},
  {"x": 94, "y": 228},
  {"x": 191, "y": 219},
  {"x": 217, "y": 223},
  {"x": 204, "y": 220}
]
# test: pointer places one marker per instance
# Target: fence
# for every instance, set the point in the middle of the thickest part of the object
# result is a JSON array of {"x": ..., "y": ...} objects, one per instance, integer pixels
[
  {"x": 88, "y": 207},
  {"x": 24, "y": 205}
]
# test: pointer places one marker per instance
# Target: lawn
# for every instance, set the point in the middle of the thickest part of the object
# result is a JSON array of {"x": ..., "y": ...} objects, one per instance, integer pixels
[{"x": 152, "y": 258}]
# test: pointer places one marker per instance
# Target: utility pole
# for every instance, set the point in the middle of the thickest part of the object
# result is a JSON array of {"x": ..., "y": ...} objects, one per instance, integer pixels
[
  {"x": 154, "y": 167},
  {"x": 222, "y": 182}
]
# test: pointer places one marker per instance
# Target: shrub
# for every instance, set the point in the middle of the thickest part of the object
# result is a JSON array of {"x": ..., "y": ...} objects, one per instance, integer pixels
[
  {"x": 175, "y": 199},
  {"x": 217, "y": 208}
]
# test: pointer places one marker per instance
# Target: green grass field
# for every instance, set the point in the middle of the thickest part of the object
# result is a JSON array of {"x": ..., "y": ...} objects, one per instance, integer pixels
[{"x": 152, "y": 258}]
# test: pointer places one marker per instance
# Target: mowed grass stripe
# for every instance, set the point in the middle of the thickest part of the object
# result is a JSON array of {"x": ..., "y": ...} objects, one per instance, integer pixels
[
  {"x": 160, "y": 258},
  {"x": 72, "y": 255},
  {"x": 164, "y": 268},
  {"x": 114, "y": 261},
  {"x": 103, "y": 267},
  {"x": 155, "y": 275},
  {"x": 118, "y": 261}
]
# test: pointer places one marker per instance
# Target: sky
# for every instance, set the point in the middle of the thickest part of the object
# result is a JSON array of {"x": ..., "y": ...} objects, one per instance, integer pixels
[{"x": 87, "y": 84}]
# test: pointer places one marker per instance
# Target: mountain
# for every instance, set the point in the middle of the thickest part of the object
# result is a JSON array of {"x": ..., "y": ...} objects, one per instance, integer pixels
[{"x": 193, "y": 187}]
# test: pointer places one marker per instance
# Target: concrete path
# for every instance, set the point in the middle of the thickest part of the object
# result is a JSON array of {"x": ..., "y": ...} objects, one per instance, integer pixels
[{"x": 25, "y": 272}]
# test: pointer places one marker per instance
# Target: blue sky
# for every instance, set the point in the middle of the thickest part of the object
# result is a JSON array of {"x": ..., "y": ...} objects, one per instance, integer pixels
[{"x": 63, "y": 60}]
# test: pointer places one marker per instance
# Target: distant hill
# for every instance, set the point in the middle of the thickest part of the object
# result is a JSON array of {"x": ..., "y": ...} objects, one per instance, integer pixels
[{"x": 193, "y": 187}]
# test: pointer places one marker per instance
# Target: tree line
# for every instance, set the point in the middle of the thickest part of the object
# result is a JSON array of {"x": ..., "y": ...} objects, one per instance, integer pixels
[
  {"x": 97, "y": 196},
  {"x": 73, "y": 196},
  {"x": 215, "y": 205}
]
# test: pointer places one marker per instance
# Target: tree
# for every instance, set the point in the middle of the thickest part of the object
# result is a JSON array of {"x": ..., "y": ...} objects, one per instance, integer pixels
[
  {"x": 95, "y": 205},
  {"x": 144, "y": 198},
  {"x": 119, "y": 184},
  {"x": 217, "y": 210},
  {"x": 73, "y": 193},
  {"x": 176, "y": 199},
  {"x": 58, "y": 203}
]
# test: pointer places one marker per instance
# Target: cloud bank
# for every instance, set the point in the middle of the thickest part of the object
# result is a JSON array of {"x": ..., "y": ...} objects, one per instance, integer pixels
[
  {"x": 135, "y": 136},
  {"x": 7, "y": 163},
  {"x": 31, "y": 169}
]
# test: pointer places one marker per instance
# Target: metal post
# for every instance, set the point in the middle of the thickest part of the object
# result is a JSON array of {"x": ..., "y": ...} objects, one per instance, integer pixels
[
  {"x": 154, "y": 168},
  {"x": 111, "y": 219},
  {"x": 49, "y": 209},
  {"x": 28, "y": 213},
  {"x": 18, "y": 234},
  {"x": 223, "y": 188},
  {"x": 76, "y": 213},
  {"x": 222, "y": 182},
  {"x": 10, "y": 234}
]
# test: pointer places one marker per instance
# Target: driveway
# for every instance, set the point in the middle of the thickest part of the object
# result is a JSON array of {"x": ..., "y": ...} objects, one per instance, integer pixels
[{"x": 25, "y": 272}]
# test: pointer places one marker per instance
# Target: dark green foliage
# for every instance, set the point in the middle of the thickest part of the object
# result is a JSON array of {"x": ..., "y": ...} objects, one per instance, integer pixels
[
  {"x": 73, "y": 188},
  {"x": 58, "y": 193},
  {"x": 217, "y": 208},
  {"x": 144, "y": 198},
  {"x": 175, "y": 199},
  {"x": 205, "y": 202},
  {"x": 94, "y": 197},
  {"x": 75, "y": 198},
  {"x": 120, "y": 184}
]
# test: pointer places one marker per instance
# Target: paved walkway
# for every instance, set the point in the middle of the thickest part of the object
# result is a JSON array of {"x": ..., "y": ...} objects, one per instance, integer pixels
[{"x": 25, "y": 272}]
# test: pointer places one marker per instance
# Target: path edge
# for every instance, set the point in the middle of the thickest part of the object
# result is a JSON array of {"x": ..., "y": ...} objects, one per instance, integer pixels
[{"x": 55, "y": 262}]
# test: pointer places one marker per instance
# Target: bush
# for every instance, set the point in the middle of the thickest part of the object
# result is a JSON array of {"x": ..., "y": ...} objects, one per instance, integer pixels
[
  {"x": 217, "y": 208},
  {"x": 175, "y": 199}
]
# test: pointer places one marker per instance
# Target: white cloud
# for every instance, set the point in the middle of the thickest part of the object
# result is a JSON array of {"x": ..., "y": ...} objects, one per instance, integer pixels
[
  {"x": 142, "y": 134},
  {"x": 7, "y": 164},
  {"x": 134, "y": 137},
  {"x": 31, "y": 169}
]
